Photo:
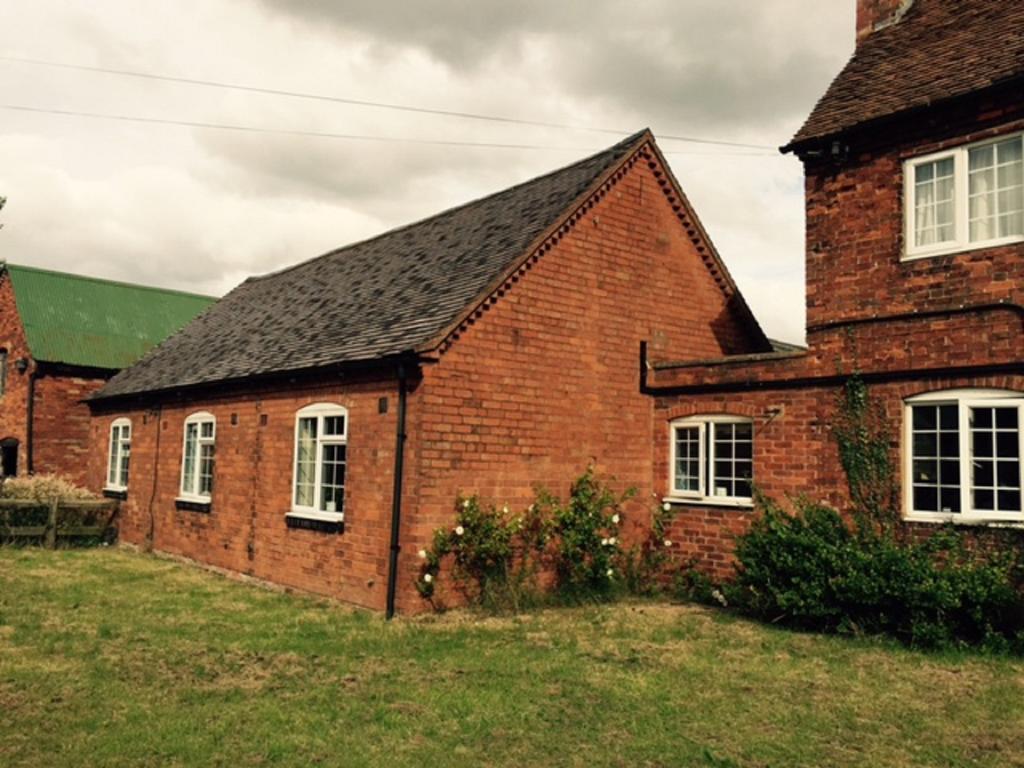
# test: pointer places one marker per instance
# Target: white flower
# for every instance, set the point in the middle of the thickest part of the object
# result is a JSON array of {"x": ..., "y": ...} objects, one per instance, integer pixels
[
  {"x": 465, "y": 504},
  {"x": 604, "y": 542},
  {"x": 427, "y": 578},
  {"x": 668, "y": 543},
  {"x": 666, "y": 507},
  {"x": 615, "y": 518},
  {"x": 459, "y": 530},
  {"x": 612, "y": 541},
  {"x": 504, "y": 510},
  {"x": 423, "y": 554},
  {"x": 610, "y": 572},
  {"x": 719, "y": 597},
  {"x": 533, "y": 507}
]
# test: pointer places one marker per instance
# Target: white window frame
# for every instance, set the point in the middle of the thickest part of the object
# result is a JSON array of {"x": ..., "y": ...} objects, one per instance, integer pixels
[
  {"x": 116, "y": 453},
  {"x": 706, "y": 460},
  {"x": 200, "y": 418},
  {"x": 961, "y": 204},
  {"x": 964, "y": 399},
  {"x": 319, "y": 411}
]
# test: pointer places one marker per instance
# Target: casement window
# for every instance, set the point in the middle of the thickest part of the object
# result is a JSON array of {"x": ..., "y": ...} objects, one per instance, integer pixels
[
  {"x": 963, "y": 456},
  {"x": 119, "y": 455},
  {"x": 321, "y": 444},
  {"x": 197, "y": 457},
  {"x": 964, "y": 198},
  {"x": 712, "y": 460}
]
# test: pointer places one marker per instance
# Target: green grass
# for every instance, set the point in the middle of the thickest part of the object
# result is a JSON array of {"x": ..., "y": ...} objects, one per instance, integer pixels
[{"x": 114, "y": 658}]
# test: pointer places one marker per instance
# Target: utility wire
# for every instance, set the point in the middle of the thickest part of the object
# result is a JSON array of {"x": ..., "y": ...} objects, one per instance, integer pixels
[
  {"x": 323, "y": 134},
  {"x": 364, "y": 103}
]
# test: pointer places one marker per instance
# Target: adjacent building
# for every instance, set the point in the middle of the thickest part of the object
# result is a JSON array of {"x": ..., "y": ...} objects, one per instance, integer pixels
[{"x": 62, "y": 336}]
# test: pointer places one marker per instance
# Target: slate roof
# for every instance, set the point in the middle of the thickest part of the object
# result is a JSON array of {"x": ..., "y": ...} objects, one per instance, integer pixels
[
  {"x": 87, "y": 322},
  {"x": 385, "y": 296},
  {"x": 939, "y": 50}
]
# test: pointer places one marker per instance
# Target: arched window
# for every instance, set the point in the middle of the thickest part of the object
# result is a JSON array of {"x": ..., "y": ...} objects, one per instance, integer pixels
[
  {"x": 962, "y": 454},
  {"x": 321, "y": 444},
  {"x": 712, "y": 460},
  {"x": 197, "y": 457},
  {"x": 119, "y": 456}
]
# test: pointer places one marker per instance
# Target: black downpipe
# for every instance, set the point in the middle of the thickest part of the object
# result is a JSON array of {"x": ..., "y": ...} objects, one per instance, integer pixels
[{"x": 396, "y": 499}]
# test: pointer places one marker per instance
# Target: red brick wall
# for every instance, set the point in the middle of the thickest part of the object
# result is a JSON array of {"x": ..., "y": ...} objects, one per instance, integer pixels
[
  {"x": 546, "y": 379},
  {"x": 245, "y": 530},
  {"x": 855, "y": 225},
  {"x": 14, "y": 401},
  {"x": 794, "y": 453},
  {"x": 61, "y": 424}
]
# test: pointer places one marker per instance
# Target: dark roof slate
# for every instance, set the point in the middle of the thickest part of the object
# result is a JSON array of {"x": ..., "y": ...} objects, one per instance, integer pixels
[
  {"x": 385, "y": 296},
  {"x": 940, "y": 49}
]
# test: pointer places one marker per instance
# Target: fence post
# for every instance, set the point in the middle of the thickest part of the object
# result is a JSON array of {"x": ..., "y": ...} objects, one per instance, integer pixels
[{"x": 51, "y": 525}]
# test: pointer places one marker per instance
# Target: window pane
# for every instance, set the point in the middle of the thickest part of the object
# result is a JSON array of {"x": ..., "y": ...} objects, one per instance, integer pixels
[
  {"x": 188, "y": 472},
  {"x": 206, "y": 429},
  {"x": 687, "y": 447},
  {"x": 112, "y": 463},
  {"x": 334, "y": 426},
  {"x": 733, "y": 468},
  {"x": 332, "y": 483},
  {"x": 206, "y": 469},
  {"x": 996, "y": 469},
  {"x": 305, "y": 463},
  {"x": 935, "y": 448},
  {"x": 997, "y": 190},
  {"x": 126, "y": 450}
]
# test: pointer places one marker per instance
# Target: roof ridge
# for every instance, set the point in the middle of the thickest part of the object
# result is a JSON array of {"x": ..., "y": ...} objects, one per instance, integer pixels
[
  {"x": 628, "y": 141},
  {"x": 105, "y": 281}
]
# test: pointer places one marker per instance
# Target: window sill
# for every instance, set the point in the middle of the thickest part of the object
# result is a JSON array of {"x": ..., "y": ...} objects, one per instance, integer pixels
[
  {"x": 959, "y": 248},
  {"x": 700, "y": 501},
  {"x": 979, "y": 521},
  {"x": 121, "y": 494},
  {"x": 193, "y": 505},
  {"x": 321, "y": 522}
]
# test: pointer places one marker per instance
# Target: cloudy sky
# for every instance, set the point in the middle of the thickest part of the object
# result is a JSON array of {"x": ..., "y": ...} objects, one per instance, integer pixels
[{"x": 201, "y": 209}]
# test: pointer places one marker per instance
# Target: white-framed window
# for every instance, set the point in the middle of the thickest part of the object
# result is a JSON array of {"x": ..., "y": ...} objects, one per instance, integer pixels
[
  {"x": 966, "y": 197},
  {"x": 963, "y": 453},
  {"x": 197, "y": 457},
  {"x": 321, "y": 445},
  {"x": 119, "y": 454},
  {"x": 712, "y": 460}
]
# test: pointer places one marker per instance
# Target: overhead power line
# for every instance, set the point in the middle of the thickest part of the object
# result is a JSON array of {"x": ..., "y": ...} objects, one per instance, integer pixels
[
  {"x": 323, "y": 134},
  {"x": 366, "y": 103}
]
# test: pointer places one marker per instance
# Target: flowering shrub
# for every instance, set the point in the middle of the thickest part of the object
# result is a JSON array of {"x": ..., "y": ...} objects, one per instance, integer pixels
[
  {"x": 492, "y": 553},
  {"x": 496, "y": 556},
  {"x": 586, "y": 552},
  {"x": 43, "y": 488}
]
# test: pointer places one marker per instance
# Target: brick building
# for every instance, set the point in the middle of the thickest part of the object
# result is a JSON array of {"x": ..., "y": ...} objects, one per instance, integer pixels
[
  {"x": 315, "y": 426},
  {"x": 915, "y": 278},
  {"x": 62, "y": 337},
  {"x": 501, "y": 338}
]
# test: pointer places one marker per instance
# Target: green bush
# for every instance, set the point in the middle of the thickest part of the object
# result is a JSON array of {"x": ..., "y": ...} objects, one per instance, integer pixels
[
  {"x": 585, "y": 536},
  {"x": 811, "y": 570},
  {"x": 493, "y": 556}
]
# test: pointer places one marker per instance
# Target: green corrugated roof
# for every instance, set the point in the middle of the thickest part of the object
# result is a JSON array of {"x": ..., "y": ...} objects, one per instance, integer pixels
[{"x": 84, "y": 321}]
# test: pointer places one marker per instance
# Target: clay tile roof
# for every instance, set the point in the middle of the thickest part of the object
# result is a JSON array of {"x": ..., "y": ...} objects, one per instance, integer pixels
[
  {"x": 939, "y": 50},
  {"x": 375, "y": 299}
]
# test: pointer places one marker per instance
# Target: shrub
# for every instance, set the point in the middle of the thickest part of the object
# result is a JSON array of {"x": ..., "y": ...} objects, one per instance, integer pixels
[
  {"x": 644, "y": 565},
  {"x": 493, "y": 556},
  {"x": 811, "y": 570},
  {"x": 584, "y": 534},
  {"x": 43, "y": 488}
]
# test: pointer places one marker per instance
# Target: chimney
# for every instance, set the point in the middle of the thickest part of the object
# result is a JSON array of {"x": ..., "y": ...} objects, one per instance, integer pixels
[{"x": 873, "y": 15}]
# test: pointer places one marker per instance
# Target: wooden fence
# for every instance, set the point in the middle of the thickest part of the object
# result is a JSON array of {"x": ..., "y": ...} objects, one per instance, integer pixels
[{"x": 55, "y": 520}]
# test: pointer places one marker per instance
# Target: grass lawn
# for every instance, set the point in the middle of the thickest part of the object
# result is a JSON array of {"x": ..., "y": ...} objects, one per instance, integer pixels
[{"x": 113, "y": 658}]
